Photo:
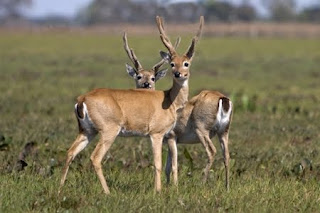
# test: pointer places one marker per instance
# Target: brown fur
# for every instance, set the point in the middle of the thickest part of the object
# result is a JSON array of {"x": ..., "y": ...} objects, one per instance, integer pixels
[
  {"x": 117, "y": 106},
  {"x": 139, "y": 112},
  {"x": 196, "y": 124}
]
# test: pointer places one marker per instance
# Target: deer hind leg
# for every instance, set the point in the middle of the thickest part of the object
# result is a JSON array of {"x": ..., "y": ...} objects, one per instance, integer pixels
[
  {"x": 213, "y": 152},
  {"x": 78, "y": 145},
  {"x": 224, "y": 139},
  {"x": 106, "y": 140},
  {"x": 156, "y": 141},
  {"x": 172, "y": 161},
  {"x": 210, "y": 149}
]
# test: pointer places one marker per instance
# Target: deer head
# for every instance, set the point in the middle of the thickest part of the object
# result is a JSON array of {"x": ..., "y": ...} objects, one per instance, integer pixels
[
  {"x": 180, "y": 64},
  {"x": 144, "y": 78}
]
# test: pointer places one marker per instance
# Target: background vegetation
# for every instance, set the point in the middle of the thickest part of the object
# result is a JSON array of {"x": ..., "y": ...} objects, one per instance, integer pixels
[
  {"x": 274, "y": 139},
  {"x": 97, "y": 12}
]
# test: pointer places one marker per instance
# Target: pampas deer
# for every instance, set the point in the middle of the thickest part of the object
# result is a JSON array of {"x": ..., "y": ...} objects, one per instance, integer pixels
[
  {"x": 114, "y": 112},
  {"x": 145, "y": 79},
  {"x": 204, "y": 116}
]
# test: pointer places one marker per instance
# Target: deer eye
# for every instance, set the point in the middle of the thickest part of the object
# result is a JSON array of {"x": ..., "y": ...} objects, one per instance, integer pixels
[
  {"x": 186, "y": 64},
  {"x": 152, "y": 79},
  {"x": 172, "y": 64},
  {"x": 139, "y": 77}
]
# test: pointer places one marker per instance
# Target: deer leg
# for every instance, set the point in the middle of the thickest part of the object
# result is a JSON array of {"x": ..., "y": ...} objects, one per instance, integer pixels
[
  {"x": 224, "y": 138},
  {"x": 210, "y": 149},
  {"x": 168, "y": 165},
  {"x": 213, "y": 151},
  {"x": 106, "y": 140},
  {"x": 157, "y": 152},
  {"x": 174, "y": 159},
  {"x": 78, "y": 145}
]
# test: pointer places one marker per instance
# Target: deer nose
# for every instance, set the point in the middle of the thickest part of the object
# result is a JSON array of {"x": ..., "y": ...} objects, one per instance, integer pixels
[
  {"x": 177, "y": 74},
  {"x": 146, "y": 84}
]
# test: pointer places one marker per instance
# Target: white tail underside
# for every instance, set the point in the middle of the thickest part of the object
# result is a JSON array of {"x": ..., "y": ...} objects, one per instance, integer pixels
[{"x": 223, "y": 118}]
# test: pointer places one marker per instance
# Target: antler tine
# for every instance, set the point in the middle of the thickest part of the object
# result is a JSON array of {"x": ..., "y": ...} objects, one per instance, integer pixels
[
  {"x": 157, "y": 66},
  {"x": 177, "y": 42},
  {"x": 195, "y": 39},
  {"x": 200, "y": 28},
  {"x": 126, "y": 46},
  {"x": 130, "y": 53},
  {"x": 164, "y": 38},
  {"x": 136, "y": 61},
  {"x": 160, "y": 63}
]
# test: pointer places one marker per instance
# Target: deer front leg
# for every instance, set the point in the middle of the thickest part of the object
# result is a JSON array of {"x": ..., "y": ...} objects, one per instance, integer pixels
[
  {"x": 173, "y": 153},
  {"x": 157, "y": 152}
]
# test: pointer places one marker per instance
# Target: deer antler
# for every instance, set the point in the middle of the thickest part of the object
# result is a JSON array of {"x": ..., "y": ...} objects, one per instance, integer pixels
[
  {"x": 195, "y": 39},
  {"x": 177, "y": 43},
  {"x": 164, "y": 38},
  {"x": 130, "y": 53},
  {"x": 157, "y": 66},
  {"x": 160, "y": 63},
  {"x": 200, "y": 28}
]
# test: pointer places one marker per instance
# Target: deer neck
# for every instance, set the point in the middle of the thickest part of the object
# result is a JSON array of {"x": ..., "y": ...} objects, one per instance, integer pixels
[{"x": 179, "y": 94}]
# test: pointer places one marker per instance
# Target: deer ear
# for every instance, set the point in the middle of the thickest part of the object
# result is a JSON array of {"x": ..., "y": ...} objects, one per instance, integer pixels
[
  {"x": 160, "y": 74},
  {"x": 131, "y": 71},
  {"x": 165, "y": 56},
  {"x": 190, "y": 51}
]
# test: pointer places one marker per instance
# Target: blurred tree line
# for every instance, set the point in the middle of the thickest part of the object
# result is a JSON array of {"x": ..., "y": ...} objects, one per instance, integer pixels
[
  {"x": 10, "y": 10},
  {"x": 137, "y": 11},
  {"x": 109, "y": 11},
  {"x": 144, "y": 11}
]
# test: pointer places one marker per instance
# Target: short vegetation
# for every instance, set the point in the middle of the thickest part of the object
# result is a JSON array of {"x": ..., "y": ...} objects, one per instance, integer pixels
[{"x": 274, "y": 138}]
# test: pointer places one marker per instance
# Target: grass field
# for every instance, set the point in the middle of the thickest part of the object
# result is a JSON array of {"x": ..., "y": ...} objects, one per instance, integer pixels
[{"x": 274, "y": 139}]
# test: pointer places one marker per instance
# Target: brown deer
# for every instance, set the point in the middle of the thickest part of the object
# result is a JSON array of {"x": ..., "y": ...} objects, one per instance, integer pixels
[
  {"x": 204, "y": 116},
  {"x": 114, "y": 112},
  {"x": 145, "y": 79}
]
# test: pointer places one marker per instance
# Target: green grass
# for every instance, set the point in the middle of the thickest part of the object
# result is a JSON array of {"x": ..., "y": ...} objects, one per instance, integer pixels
[{"x": 274, "y": 138}]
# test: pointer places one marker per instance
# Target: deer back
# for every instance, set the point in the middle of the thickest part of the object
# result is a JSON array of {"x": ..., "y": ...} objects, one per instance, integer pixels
[{"x": 140, "y": 111}]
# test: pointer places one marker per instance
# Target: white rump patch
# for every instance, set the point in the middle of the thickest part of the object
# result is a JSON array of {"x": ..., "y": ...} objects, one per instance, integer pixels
[
  {"x": 223, "y": 118},
  {"x": 85, "y": 122}
]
